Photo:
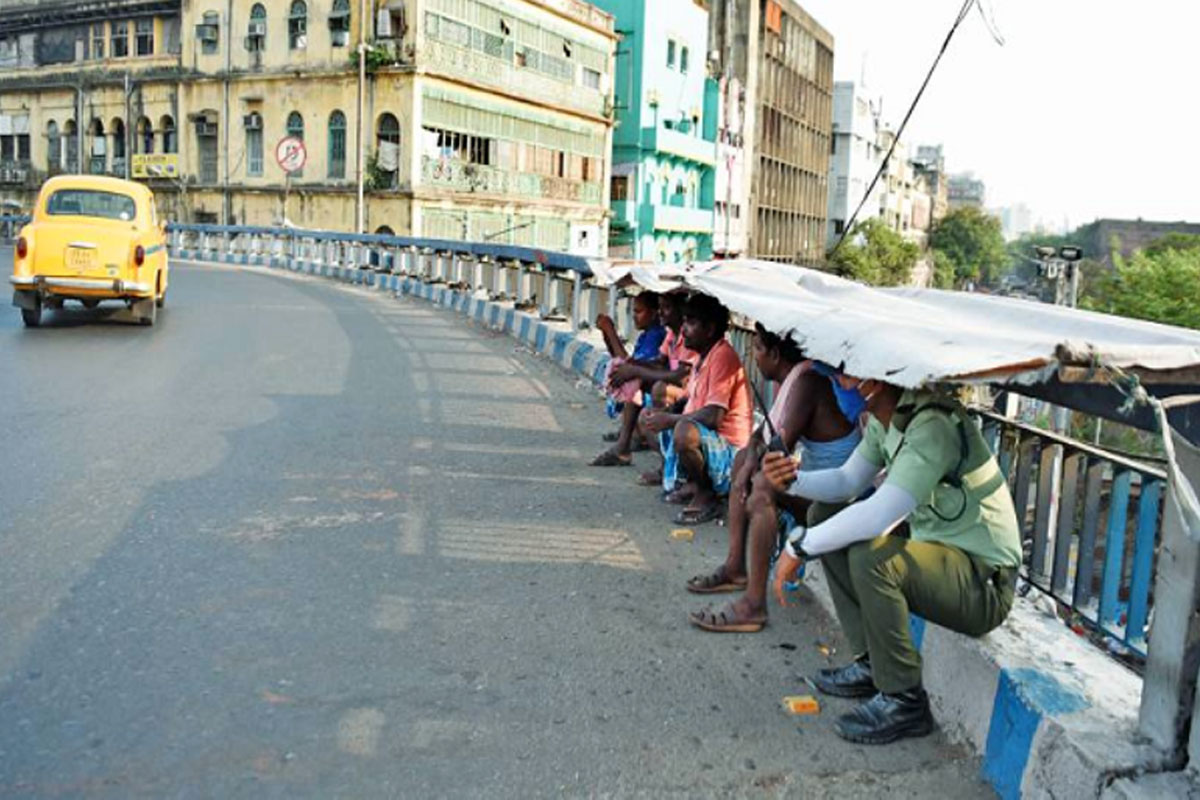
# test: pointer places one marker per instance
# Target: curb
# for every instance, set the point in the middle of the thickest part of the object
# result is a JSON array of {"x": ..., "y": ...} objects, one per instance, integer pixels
[{"x": 1049, "y": 715}]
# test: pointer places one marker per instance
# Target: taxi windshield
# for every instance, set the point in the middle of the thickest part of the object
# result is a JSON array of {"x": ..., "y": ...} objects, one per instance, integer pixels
[{"x": 91, "y": 203}]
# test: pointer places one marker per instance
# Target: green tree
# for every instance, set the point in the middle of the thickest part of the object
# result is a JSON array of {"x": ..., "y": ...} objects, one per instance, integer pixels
[
  {"x": 1161, "y": 286},
  {"x": 874, "y": 253},
  {"x": 973, "y": 242},
  {"x": 943, "y": 271},
  {"x": 1183, "y": 242}
]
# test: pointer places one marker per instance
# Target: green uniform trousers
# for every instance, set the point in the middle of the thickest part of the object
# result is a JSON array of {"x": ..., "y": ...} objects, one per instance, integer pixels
[{"x": 876, "y": 583}]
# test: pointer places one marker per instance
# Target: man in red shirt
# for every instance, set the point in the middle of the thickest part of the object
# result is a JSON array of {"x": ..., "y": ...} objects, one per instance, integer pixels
[{"x": 699, "y": 445}]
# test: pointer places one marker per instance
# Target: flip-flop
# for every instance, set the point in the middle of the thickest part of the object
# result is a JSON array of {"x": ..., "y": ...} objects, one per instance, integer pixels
[
  {"x": 715, "y": 583},
  {"x": 724, "y": 622},
  {"x": 699, "y": 516},
  {"x": 610, "y": 459},
  {"x": 611, "y": 436}
]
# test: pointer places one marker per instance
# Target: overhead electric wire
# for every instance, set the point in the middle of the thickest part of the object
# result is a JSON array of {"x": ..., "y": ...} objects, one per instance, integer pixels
[{"x": 962, "y": 15}]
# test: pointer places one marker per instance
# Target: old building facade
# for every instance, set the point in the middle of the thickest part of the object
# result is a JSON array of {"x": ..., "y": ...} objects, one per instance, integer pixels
[
  {"x": 664, "y": 148},
  {"x": 485, "y": 120}
]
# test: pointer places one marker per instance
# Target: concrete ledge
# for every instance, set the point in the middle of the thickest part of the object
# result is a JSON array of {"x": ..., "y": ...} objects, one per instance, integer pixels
[{"x": 1050, "y": 716}]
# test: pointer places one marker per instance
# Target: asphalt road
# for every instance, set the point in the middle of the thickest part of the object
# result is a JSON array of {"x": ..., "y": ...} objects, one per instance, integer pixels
[{"x": 303, "y": 540}]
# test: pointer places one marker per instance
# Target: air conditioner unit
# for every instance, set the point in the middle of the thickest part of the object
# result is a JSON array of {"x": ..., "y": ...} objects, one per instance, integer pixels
[
  {"x": 206, "y": 128},
  {"x": 207, "y": 33},
  {"x": 252, "y": 122},
  {"x": 257, "y": 30}
]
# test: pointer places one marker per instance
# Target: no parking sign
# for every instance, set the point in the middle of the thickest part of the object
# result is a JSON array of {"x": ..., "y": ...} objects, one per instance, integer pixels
[{"x": 290, "y": 154}]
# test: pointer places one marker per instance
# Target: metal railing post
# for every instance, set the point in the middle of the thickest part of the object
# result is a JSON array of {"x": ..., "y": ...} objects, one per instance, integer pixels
[{"x": 1173, "y": 656}]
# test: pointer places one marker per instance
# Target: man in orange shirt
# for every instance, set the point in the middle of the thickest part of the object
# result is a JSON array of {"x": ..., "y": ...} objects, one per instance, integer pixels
[{"x": 699, "y": 445}]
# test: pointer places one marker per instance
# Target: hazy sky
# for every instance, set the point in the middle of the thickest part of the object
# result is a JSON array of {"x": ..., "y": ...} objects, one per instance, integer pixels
[{"x": 1088, "y": 110}]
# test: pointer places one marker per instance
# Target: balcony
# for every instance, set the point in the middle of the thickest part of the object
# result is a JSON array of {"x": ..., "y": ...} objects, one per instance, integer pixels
[
  {"x": 461, "y": 176},
  {"x": 17, "y": 172},
  {"x": 680, "y": 145},
  {"x": 676, "y": 219}
]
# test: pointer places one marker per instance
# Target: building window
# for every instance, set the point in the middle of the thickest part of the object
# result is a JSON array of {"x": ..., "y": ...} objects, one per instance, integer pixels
[
  {"x": 120, "y": 39},
  {"x": 591, "y": 78},
  {"x": 145, "y": 136},
  {"x": 98, "y": 38},
  {"x": 53, "y": 148},
  {"x": 144, "y": 29},
  {"x": 254, "y": 144},
  {"x": 99, "y": 160},
  {"x": 206, "y": 139},
  {"x": 295, "y": 129},
  {"x": 337, "y": 145},
  {"x": 339, "y": 23},
  {"x": 620, "y": 187},
  {"x": 256, "y": 31},
  {"x": 298, "y": 26},
  {"x": 387, "y": 149},
  {"x": 71, "y": 145},
  {"x": 118, "y": 146},
  {"x": 670, "y": 54},
  {"x": 209, "y": 33},
  {"x": 170, "y": 141},
  {"x": 683, "y": 59}
]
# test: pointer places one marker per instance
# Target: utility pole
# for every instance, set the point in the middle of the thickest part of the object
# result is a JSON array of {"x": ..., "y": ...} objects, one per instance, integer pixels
[
  {"x": 128, "y": 138},
  {"x": 360, "y": 207}
]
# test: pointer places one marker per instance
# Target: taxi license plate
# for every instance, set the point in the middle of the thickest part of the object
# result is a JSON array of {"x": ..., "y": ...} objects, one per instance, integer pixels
[{"x": 80, "y": 259}]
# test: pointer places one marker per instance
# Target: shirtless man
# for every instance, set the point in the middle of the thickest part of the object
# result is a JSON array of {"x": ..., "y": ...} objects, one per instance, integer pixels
[{"x": 821, "y": 417}]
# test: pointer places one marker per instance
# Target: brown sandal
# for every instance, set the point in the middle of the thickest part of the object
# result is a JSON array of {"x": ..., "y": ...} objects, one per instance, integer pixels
[
  {"x": 725, "y": 621},
  {"x": 715, "y": 582},
  {"x": 611, "y": 458}
]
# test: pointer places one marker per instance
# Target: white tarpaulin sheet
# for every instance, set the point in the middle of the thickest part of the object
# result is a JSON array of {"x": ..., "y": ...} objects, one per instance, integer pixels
[{"x": 914, "y": 336}]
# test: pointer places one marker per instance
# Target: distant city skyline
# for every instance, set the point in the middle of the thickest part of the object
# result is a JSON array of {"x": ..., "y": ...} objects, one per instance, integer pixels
[{"x": 1067, "y": 116}]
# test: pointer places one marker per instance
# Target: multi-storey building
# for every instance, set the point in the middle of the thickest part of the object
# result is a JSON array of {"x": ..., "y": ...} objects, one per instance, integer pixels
[
  {"x": 855, "y": 156},
  {"x": 486, "y": 119},
  {"x": 776, "y": 62},
  {"x": 930, "y": 162},
  {"x": 965, "y": 189},
  {"x": 788, "y": 194},
  {"x": 733, "y": 47},
  {"x": 664, "y": 147}
]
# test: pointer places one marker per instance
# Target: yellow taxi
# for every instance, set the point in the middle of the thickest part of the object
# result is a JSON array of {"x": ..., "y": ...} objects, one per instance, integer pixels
[{"x": 91, "y": 238}]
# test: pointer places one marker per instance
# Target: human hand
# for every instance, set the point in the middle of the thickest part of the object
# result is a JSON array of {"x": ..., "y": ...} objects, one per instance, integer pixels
[
  {"x": 779, "y": 470},
  {"x": 785, "y": 570},
  {"x": 604, "y": 321},
  {"x": 657, "y": 421},
  {"x": 621, "y": 374}
]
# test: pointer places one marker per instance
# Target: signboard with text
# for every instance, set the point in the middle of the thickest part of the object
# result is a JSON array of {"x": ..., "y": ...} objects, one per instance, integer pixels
[{"x": 154, "y": 165}]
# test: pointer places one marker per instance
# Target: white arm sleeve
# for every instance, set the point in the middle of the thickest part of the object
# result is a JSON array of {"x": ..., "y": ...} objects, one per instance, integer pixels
[
  {"x": 876, "y": 515},
  {"x": 836, "y": 485}
]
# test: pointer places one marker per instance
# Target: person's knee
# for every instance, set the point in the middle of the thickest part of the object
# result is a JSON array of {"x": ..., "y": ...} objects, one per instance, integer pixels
[{"x": 686, "y": 436}]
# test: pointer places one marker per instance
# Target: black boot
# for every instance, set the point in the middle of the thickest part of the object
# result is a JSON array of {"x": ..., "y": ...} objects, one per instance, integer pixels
[
  {"x": 887, "y": 717},
  {"x": 852, "y": 680}
]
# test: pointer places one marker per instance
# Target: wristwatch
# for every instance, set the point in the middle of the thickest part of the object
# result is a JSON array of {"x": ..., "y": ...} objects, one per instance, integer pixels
[{"x": 795, "y": 543}]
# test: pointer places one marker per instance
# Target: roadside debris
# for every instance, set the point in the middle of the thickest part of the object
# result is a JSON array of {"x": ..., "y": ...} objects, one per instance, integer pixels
[{"x": 801, "y": 705}]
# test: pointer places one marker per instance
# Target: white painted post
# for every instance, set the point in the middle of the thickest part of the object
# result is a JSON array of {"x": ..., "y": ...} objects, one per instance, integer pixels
[{"x": 1169, "y": 695}]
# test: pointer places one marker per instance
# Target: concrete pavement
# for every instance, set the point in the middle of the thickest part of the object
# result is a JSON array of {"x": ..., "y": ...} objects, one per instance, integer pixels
[{"x": 306, "y": 540}]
